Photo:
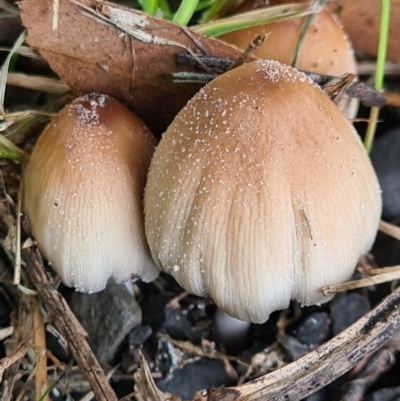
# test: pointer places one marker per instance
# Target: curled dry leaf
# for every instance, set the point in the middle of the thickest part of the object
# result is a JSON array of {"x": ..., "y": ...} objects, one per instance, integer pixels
[{"x": 102, "y": 47}]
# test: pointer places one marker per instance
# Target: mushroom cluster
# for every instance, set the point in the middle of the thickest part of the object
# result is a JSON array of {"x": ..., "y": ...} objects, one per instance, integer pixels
[
  {"x": 83, "y": 189},
  {"x": 260, "y": 192}
]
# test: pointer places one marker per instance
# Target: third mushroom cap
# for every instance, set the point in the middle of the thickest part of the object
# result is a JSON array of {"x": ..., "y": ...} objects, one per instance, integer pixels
[{"x": 260, "y": 192}]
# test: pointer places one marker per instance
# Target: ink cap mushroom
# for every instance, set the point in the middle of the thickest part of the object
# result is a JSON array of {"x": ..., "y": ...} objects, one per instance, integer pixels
[
  {"x": 83, "y": 191},
  {"x": 325, "y": 48},
  {"x": 260, "y": 192}
]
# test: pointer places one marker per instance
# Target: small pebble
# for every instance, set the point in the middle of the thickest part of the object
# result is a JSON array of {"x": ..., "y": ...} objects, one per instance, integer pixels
[
  {"x": 314, "y": 330},
  {"x": 346, "y": 310},
  {"x": 292, "y": 348}
]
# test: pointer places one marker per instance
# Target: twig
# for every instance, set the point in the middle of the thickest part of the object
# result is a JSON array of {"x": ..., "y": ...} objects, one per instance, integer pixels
[
  {"x": 389, "y": 229},
  {"x": 253, "y": 45},
  {"x": 89, "y": 396},
  {"x": 364, "y": 282},
  {"x": 381, "y": 270},
  {"x": 39, "y": 340},
  {"x": 62, "y": 317},
  {"x": 22, "y": 336},
  {"x": 15, "y": 357},
  {"x": 17, "y": 263}
]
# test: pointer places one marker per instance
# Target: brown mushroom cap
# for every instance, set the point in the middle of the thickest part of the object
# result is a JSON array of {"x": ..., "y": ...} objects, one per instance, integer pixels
[
  {"x": 325, "y": 48},
  {"x": 260, "y": 192},
  {"x": 83, "y": 188}
]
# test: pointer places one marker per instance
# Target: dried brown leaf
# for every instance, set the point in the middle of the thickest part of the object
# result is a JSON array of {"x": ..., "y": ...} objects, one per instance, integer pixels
[{"x": 91, "y": 51}]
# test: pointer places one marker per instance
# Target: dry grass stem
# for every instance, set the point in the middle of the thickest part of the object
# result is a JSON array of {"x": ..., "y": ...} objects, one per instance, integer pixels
[
  {"x": 4, "y": 70},
  {"x": 17, "y": 347},
  {"x": 384, "y": 270},
  {"x": 18, "y": 116},
  {"x": 24, "y": 50},
  {"x": 6, "y": 332},
  {"x": 15, "y": 357},
  {"x": 17, "y": 263},
  {"x": 39, "y": 83},
  {"x": 389, "y": 229},
  {"x": 8, "y": 7},
  {"x": 364, "y": 282},
  {"x": 39, "y": 340}
]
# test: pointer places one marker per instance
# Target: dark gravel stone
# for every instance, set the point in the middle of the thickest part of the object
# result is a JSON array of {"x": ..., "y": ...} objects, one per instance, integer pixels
[
  {"x": 292, "y": 348},
  {"x": 385, "y": 394},
  {"x": 202, "y": 374},
  {"x": 179, "y": 326},
  {"x": 139, "y": 335},
  {"x": 107, "y": 316},
  {"x": 347, "y": 309},
  {"x": 314, "y": 330}
]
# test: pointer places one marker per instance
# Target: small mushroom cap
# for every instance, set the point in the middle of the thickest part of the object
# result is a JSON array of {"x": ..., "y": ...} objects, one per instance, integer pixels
[
  {"x": 260, "y": 192},
  {"x": 83, "y": 189},
  {"x": 325, "y": 48}
]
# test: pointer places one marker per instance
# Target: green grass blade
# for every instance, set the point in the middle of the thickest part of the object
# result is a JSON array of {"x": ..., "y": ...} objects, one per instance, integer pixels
[
  {"x": 204, "y": 5},
  {"x": 257, "y": 17},
  {"x": 380, "y": 71},
  {"x": 4, "y": 70},
  {"x": 10, "y": 151},
  {"x": 150, "y": 6},
  {"x": 166, "y": 11},
  {"x": 217, "y": 8},
  {"x": 304, "y": 26},
  {"x": 44, "y": 395},
  {"x": 185, "y": 11}
]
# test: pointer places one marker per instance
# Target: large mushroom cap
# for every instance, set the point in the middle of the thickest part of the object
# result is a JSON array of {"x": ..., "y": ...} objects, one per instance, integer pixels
[
  {"x": 83, "y": 188},
  {"x": 260, "y": 192}
]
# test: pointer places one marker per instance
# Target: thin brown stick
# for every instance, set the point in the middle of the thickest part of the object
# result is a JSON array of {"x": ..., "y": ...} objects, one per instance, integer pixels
[
  {"x": 381, "y": 270},
  {"x": 389, "y": 229},
  {"x": 39, "y": 340},
  {"x": 15, "y": 357},
  {"x": 22, "y": 336},
  {"x": 65, "y": 322},
  {"x": 364, "y": 282}
]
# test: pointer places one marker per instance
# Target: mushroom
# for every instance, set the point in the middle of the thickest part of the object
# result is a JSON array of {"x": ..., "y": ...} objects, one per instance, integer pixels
[
  {"x": 260, "y": 192},
  {"x": 83, "y": 189},
  {"x": 325, "y": 48}
]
